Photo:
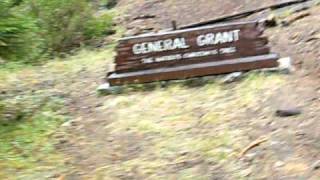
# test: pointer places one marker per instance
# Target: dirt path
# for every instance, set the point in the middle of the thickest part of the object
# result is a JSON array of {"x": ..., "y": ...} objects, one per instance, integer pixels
[{"x": 183, "y": 132}]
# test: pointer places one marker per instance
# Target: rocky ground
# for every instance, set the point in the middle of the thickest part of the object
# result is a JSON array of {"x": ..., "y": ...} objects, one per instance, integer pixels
[
  {"x": 157, "y": 15},
  {"x": 180, "y": 132},
  {"x": 196, "y": 129}
]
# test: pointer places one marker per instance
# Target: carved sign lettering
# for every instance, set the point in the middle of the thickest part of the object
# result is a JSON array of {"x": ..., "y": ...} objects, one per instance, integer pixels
[{"x": 182, "y": 49}]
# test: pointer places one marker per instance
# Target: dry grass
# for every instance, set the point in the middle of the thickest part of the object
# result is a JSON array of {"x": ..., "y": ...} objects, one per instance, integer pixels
[
  {"x": 32, "y": 109},
  {"x": 186, "y": 129},
  {"x": 183, "y": 124}
]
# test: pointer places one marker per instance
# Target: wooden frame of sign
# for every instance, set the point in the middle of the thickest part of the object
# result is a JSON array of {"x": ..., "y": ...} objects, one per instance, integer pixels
[{"x": 191, "y": 52}]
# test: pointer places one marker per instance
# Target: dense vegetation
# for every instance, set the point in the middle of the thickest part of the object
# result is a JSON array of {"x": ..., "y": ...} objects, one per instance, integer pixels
[{"x": 31, "y": 29}]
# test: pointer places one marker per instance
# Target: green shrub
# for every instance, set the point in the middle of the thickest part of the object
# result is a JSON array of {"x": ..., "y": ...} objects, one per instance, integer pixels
[
  {"x": 67, "y": 24},
  {"x": 33, "y": 28},
  {"x": 19, "y": 35},
  {"x": 99, "y": 26}
]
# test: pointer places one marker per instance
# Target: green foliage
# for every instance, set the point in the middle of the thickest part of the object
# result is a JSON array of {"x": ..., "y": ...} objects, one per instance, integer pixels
[
  {"x": 25, "y": 131},
  {"x": 68, "y": 24},
  {"x": 19, "y": 39},
  {"x": 99, "y": 26},
  {"x": 31, "y": 28}
]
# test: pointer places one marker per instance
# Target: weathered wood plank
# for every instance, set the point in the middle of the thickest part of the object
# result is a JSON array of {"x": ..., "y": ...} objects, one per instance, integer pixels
[
  {"x": 138, "y": 65},
  {"x": 247, "y": 31},
  {"x": 128, "y": 56},
  {"x": 194, "y": 70}
]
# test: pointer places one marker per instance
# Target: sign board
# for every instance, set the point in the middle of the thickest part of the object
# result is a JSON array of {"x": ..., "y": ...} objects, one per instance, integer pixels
[{"x": 191, "y": 53}]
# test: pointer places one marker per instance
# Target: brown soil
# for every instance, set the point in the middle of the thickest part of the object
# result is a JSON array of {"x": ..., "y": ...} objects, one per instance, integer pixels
[
  {"x": 157, "y": 15},
  {"x": 292, "y": 147}
]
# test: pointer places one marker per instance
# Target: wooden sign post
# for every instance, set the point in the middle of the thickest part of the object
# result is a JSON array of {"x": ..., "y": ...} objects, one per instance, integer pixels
[{"x": 182, "y": 54}]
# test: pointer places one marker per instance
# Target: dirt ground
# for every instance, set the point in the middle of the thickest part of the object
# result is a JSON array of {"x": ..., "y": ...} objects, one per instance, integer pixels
[
  {"x": 157, "y": 15},
  {"x": 180, "y": 132}
]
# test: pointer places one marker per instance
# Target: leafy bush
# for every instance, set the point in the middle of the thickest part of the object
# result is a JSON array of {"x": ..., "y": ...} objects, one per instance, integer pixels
[
  {"x": 30, "y": 28},
  {"x": 99, "y": 26},
  {"x": 19, "y": 39},
  {"x": 68, "y": 24}
]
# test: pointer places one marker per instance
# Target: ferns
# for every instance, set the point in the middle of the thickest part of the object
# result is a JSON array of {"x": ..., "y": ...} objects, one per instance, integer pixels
[
  {"x": 18, "y": 35},
  {"x": 33, "y": 28}
]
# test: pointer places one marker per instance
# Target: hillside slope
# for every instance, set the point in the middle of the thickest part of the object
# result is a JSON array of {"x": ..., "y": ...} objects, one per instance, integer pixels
[{"x": 194, "y": 129}]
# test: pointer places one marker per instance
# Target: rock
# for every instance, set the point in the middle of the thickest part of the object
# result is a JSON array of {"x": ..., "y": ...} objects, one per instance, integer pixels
[
  {"x": 145, "y": 29},
  {"x": 63, "y": 141},
  {"x": 132, "y": 32},
  {"x": 246, "y": 173},
  {"x": 312, "y": 38},
  {"x": 103, "y": 87},
  {"x": 279, "y": 164},
  {"x": 2, "y": 61},
  {"x": 301, "y": 7},
  {"x": 106, "y": 89},
  {"x": 145, "y": 16},
  {"x": 270, "y": 21},
  {"x": 66, "y": 124},
  {"x": 287, "y": 112},
  {"x": 316, "y": 165},
  {"x": 99, "y": 105},
  {"x": 294, "y": 18},
  {"x": 194, "y": 82},
  {"x": 184, "y": 153},
  {"x": 110, "y": 139},
  {"x": 250, "y": 157},
  {"x": 232, "y": 77},
  {"x": 285, "y": 65},
  {"x": 71, "y": 123}
]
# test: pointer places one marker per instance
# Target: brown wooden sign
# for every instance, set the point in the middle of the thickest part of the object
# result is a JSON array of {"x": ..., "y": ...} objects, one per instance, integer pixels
[{"x": 191, "y": 52}]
